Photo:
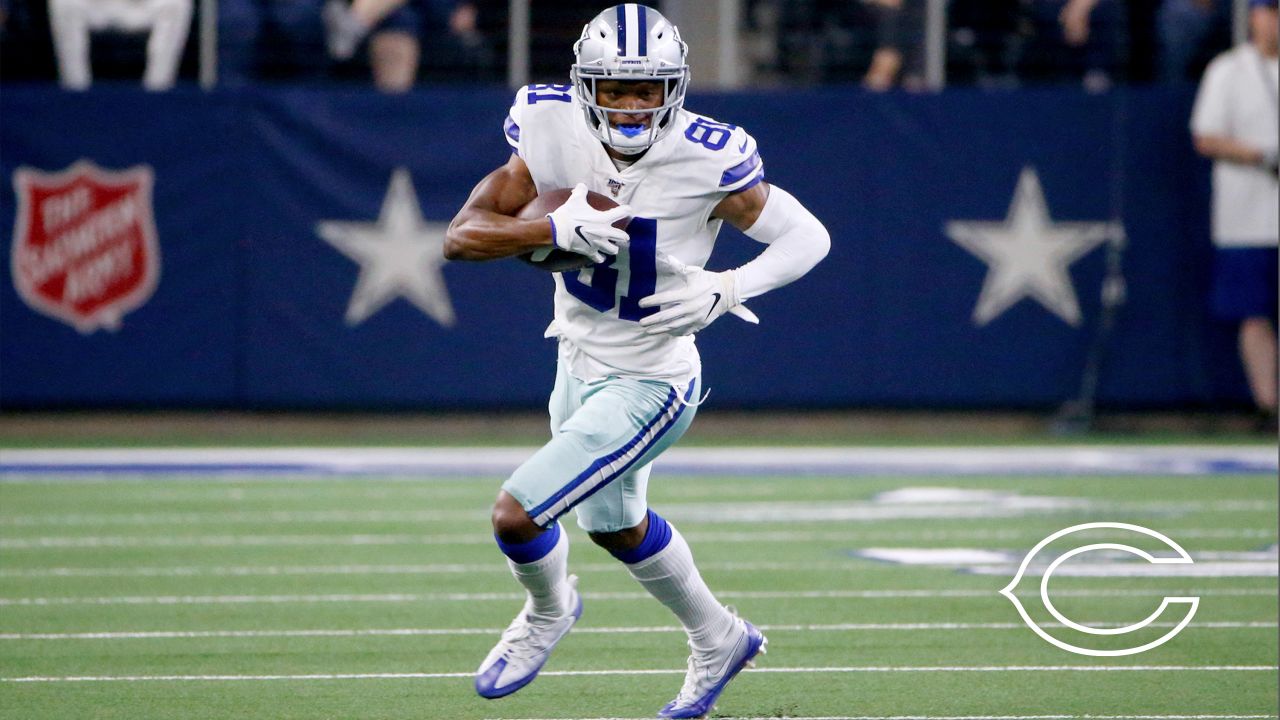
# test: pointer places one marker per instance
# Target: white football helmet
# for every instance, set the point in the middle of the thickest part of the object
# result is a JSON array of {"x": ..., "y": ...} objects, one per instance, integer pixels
[{"x": 630, "y": 42}]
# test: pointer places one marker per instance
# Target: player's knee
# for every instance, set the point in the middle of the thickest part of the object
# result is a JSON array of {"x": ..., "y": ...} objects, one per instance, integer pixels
[
  {"x": 621, "y": 540},
  {"x": 510, "y": 521},
  {"x": 636, "y": 544}
]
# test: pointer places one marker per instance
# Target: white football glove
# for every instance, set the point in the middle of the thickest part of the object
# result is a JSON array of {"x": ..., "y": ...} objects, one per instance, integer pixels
[
  {"x": 580, "y": 228},
  {"x": 704, "y": 297},
  {"x": 343, "y": 31}
]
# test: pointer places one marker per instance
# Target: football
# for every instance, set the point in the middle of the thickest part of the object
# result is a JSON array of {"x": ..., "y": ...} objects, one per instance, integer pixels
[{"x": 554, "y": 259}]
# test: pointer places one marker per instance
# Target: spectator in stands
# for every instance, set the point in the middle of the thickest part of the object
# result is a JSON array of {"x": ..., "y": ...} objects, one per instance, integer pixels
[
  {"x": 26, "y": 45},
  {"x": 72, "y": 22},
  {"x": 899, "y": 53},
  {"x": 1083, "y": 39},
  {"x": 394, "y": 31},
  {"x": 270, "y": 39},
  {"x": 1186, "y": 28},
  {"x": 984, "y": 42},
  {"x": 1234, "y": 122}
]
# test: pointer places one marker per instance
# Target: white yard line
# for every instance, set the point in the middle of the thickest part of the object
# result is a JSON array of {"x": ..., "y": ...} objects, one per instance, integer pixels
[
  {"x": 417, "y": 463},
  {"x": 511, "y": 597},
  {"x": 450, "y": 632},
  {"x": 494, "y": 568},
  {"x": 481, "y": 538},
  {"x": 972, "y": 717},
  {"x": 240, "y": 517},
  {"x": 129, "y": 541},
  {"x": 681, "y": 671},
  {"x": 779, "y": 511}
]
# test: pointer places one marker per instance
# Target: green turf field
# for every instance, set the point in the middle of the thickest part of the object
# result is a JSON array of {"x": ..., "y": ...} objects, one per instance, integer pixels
[{"x": 293, "y": 596}]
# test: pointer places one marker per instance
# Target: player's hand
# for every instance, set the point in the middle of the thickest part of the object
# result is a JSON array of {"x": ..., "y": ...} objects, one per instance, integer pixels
[
  {"x": 580, "y": 228},
  {"x": 343, "y": 30},
  {"x": 703, "y": 298}
]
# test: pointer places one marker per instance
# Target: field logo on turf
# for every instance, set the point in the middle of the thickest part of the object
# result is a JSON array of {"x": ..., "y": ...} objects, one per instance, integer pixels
[
  {"x": 1182, "y": 557},
  {"x": 84, "y": 243}
]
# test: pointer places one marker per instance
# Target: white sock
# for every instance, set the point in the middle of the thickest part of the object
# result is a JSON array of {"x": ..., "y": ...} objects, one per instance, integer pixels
[
  {"x": 672, "y": 578},
  {"x": 545, "y": 580}
]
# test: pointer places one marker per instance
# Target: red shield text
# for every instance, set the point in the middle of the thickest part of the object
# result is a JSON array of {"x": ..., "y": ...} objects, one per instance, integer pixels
[{"x": 84, "y": 244}]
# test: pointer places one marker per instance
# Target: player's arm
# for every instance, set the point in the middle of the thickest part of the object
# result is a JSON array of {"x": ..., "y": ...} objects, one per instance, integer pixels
[
  {"x": 797, "y": 241},
  {"x": 486, "y": 229},
  {"x": 1229, "y": 149}
]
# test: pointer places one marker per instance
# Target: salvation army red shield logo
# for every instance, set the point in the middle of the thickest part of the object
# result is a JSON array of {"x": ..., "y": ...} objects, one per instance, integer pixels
[{"x": 84, "y": 244}]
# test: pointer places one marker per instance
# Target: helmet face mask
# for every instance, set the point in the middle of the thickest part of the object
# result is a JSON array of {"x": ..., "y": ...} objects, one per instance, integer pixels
[{"x": 630, "y": 43}]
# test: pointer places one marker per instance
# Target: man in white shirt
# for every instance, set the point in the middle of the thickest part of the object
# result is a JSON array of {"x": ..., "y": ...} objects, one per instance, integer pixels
[{"x": 1235, "y": 124}]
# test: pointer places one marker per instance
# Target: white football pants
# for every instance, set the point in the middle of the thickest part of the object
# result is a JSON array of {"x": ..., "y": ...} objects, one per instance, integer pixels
[{"x": 72, "y": 21}]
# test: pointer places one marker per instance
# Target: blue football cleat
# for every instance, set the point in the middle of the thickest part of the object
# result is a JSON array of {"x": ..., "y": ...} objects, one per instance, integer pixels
[
  {"x": 709, "y": 674},
  {"x": 524, "y": 648}
]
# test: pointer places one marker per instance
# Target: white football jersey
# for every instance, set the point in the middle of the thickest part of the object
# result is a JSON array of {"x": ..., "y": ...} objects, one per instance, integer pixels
[{"x": 672, "y": 191}]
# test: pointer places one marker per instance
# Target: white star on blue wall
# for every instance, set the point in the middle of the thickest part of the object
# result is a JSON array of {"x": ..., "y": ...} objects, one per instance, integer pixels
[
  {"x": 400, "y": 255},
  {"x": 1028, "y": 254}
]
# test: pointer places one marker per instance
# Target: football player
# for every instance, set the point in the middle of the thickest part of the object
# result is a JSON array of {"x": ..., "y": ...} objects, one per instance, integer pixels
[{"x": 629, "y": 374}]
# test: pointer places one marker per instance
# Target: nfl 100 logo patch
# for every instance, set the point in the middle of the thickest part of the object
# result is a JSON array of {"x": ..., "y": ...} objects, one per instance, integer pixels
[{"x": 84, "y": 243}]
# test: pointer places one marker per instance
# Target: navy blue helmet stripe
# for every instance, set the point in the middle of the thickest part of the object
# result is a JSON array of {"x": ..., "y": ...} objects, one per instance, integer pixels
[
  {"x": 622, "y": 29},
  {"x": 643, "y": 30}
]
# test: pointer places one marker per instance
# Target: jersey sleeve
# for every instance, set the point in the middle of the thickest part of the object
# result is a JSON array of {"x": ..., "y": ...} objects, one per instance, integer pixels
[
  {"x": 1211, "y": 113},
  {"x": 511, "y": 126},
  {"x": 742, "y": 167}
]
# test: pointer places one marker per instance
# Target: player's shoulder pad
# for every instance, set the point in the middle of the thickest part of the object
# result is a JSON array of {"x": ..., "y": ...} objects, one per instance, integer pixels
[
  {"x": 530, "y": 101},
  {"x": 742, "y": 166},
  {"x": 725, "y": 148}
]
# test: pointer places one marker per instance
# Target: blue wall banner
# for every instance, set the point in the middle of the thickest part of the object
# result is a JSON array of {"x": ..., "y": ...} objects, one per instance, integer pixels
[{"x": 280, "y": 247}]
